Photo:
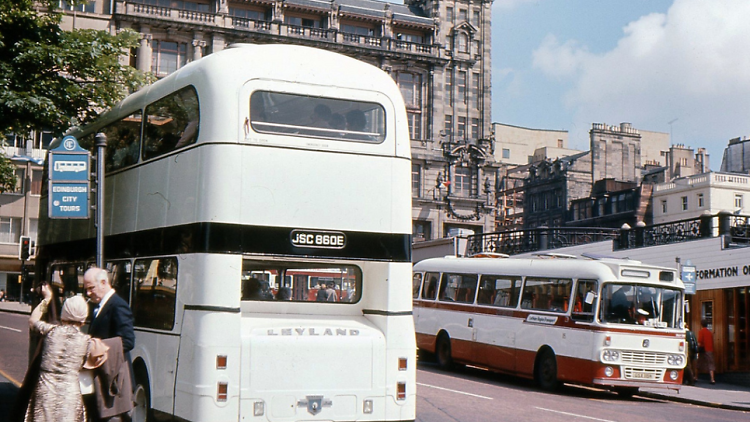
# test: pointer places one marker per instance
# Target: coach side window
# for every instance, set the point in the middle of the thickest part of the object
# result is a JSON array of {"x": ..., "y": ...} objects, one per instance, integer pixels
[
  {"x": 547, "y": 294},
  {"x": 155, "y": 292},
  {"x": 121, "y": 272},
  {"x": 583, "y": 303},
  {"x": 458, "y": 288},
  {"x": 499, "y": 291},
  {"x": 429, "y": 291},
  {"x": 171, "y": 123},
  {"x": 123, "y": 142},
  {"x": 416, "y": 284}
]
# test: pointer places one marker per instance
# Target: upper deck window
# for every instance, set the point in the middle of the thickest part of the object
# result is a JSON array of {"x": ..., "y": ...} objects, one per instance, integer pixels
[
  {"x": 317, "y": 117},
  {"x": 171, "y": 123}
]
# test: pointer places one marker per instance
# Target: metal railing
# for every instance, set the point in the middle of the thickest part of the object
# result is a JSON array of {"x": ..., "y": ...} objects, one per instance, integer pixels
[
  {"x": 513, "y": 242},
  {"x": 735, "y": 230}
]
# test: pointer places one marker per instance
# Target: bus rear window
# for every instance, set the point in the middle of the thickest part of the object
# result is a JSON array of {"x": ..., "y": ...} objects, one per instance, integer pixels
[
  {"x": 317, "y": 117},
  {"x": 301, "y": 283}
]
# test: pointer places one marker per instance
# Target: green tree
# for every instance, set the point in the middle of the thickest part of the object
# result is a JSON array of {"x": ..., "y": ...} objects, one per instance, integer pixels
[{"x": 53, "y": 79}]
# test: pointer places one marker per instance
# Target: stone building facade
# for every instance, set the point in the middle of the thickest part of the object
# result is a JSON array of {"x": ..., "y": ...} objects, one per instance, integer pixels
[{"x": 437, "y": 51}]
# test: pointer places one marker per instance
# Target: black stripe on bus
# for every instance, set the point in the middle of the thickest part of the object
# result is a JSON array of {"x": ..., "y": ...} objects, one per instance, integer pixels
[
  {"x": 230, "y": 239},
  {"x": 208, "y": 308},
  {"x": 386, "y": 313}
]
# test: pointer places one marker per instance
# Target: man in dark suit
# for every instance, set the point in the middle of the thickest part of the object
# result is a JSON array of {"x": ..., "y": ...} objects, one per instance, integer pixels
[{"x": 111, "y": 318}]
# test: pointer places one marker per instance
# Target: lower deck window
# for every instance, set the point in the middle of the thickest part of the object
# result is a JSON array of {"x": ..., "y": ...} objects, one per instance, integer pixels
[{"x": 300, "y": 282}]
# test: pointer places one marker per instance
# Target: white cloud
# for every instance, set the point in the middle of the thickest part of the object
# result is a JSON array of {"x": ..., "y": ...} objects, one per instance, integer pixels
[{"x": 692, "y": 63}]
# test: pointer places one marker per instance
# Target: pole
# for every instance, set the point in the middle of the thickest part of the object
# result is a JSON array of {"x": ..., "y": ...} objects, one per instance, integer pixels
[{"x": 101, "y": 145}]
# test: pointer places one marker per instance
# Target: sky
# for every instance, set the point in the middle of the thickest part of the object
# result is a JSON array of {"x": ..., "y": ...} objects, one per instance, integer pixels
[{"x": 675, "y": 66}]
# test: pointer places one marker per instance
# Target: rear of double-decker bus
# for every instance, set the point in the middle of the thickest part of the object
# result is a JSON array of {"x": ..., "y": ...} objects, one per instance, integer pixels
[
  {"x": 640, "y": 336},
  {"x": 304, "y": 312}
]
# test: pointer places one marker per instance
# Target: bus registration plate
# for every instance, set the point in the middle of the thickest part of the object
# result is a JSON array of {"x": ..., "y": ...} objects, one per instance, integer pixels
[{"x": 643, "y": 375}]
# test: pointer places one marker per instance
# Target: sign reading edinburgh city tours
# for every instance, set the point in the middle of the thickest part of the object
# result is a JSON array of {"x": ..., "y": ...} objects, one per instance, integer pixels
[{"x": 68, "y": 180}]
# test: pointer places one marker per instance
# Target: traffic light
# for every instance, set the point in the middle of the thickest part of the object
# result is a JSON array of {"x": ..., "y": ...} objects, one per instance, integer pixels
[{"x": 25, "y": 251}]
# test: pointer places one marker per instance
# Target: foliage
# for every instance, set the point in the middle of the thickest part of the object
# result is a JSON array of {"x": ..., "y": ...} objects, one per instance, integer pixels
[{"x": 54, "y": 79}]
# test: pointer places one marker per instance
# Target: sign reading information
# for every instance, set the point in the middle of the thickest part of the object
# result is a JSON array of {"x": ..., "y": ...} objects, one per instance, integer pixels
[{"x": 68, "y": 180}]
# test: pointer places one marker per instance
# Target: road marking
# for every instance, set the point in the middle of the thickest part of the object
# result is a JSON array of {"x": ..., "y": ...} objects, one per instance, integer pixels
[
  {"x": 11, "y": 379},
  {"x": 455, "y": 391},
  {"x": 11, "y": 329},
  {"x": 574, "y": 414}
]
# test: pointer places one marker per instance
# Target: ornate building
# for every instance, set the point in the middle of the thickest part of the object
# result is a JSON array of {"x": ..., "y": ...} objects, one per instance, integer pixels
[{"x": 438, "y": 52}]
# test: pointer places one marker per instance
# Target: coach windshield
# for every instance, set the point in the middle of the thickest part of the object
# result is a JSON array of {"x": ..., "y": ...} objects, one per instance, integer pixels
[{"x": 633, "y": 304}]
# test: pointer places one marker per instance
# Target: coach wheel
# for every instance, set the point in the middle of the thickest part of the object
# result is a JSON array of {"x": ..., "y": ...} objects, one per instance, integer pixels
[
  {"x": 546, "y": 371},
  {"x": 141, "y": 398},
  {"x": 443, "y": 352}
]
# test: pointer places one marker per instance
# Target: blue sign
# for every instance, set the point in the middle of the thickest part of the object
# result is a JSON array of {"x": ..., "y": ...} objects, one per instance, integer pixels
[
  {"x": 69, "y": 200},
  {"x": 69, "y": 167},
  {"x": 69, "y": 144},
  {"x": 688, "y": 277}
]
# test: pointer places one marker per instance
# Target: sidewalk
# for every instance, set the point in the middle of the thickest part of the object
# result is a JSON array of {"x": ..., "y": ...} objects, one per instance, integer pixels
[
  {"x": 15, "y": 307},
  {"x": 719, "y": 395}
]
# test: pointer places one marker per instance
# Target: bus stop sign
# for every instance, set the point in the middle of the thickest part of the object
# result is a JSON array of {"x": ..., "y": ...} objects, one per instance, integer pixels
[
  {"x": 68, "y": 180},
  {"x": 688, "y": 276}
]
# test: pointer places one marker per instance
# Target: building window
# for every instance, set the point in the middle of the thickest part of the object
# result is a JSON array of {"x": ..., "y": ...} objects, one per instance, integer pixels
[
  {"x": 461, "y": 85},
  {"x": 449, "y": 86},
  {"x": 475, "y": 18},
  {"x": 415, "y": 124},
  {"x": 684, "y": 203},
  {"x": 10, "y": 229},
  {"x": 738, "y": 200},
  {"x": 358, "y": 30},
  {"x": 303, "y": 21},
  {"x": 462, "y": 182},
  {"x": 506, "y": 153},
  {"x": 252, "y": 14},
  {"x": 449, "y": 14},
  {"x": 463, "y": 15},
  {"x": 411, "y": 89},
  {"x": 448, "y": 124},
  {"x": 664, "y": 206},
  {"x": 167, "y": 57},
  {"x": 462, "y": 43},
  {"x": 560, "y": 143},
  {"x": 461, "y": 127},
  {"x": 700, "y": 200},
  {"x": 89, "y": 7},
  {"x": 20, "y": 181},
  {"x": 36, "y": 182},
  {"x": 474, "y": 128},
  {"x": 421, "y": 230},
  {"x": 416, "y": 180}
]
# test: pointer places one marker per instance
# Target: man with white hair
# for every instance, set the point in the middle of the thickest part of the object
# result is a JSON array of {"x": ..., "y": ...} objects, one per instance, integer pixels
[{"x": 111, "y": 318}]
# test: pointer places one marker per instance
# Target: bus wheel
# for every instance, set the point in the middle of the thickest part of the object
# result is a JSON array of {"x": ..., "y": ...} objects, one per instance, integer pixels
[
  {"x": 443, "y": 352},
  {"x": 626, "y": 392},
  {"x": 545, "y": 372},
  {"x": 141, "y": 397}
]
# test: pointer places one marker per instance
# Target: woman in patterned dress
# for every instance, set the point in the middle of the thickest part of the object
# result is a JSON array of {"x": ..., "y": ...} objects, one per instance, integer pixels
[{"x": 57, "y": 395}]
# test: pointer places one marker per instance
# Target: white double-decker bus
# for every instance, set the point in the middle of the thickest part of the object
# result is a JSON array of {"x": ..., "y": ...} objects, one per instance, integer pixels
[
  {"x": 258, "y": 220},
  {"x": 606, "y": 322}
]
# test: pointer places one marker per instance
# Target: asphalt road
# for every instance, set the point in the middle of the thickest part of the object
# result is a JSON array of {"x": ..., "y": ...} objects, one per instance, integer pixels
[{"x": 462, "y": 395}]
